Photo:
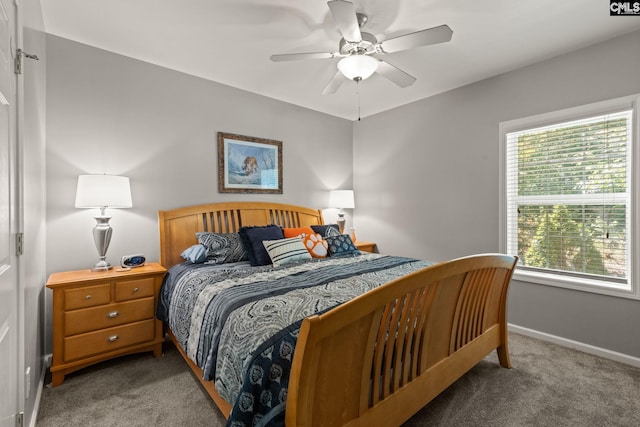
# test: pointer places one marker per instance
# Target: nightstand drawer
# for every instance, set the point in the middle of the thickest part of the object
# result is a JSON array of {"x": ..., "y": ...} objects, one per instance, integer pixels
[
  {"x": 106, "y": 340},
  {"x": 107, "y": 316},
  {"x": 133, "y": 289},
  {"x": 89, "y": 296}
]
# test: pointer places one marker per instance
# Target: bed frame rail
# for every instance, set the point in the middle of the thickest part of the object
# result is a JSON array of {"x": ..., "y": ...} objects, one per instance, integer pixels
[{"x": 378, "y": 359}]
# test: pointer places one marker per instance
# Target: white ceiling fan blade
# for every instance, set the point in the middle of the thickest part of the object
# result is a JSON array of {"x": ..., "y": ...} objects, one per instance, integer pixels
[
  {"x": 298, "y": 56},
  {"x": 334, "y": 84},
  {"x": 395, "y": 74},
  {"x": 426, "y": 37},
  {"x": 344, "y": 14}
]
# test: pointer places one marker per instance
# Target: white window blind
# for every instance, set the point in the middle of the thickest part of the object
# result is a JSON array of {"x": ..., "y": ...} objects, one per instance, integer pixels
[{"x": 568, "y": 197}]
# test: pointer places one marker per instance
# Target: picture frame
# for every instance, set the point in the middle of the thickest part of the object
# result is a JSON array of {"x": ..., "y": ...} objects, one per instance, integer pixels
[{"x": 247, "y": 164}]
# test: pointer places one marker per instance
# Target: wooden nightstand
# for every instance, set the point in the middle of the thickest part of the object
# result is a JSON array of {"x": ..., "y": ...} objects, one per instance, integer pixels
[
  {"x": 104, "y": 314},
  {"x": 366, "y": 246}
]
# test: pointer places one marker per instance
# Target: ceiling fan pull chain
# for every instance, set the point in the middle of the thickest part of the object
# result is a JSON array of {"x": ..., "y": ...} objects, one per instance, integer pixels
[{"x": 358, "y": 93}]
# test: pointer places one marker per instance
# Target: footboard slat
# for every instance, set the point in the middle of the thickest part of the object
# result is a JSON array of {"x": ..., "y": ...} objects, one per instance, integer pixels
[
  {"x": 419, "y": 334},
  {"x": 400, "y": 347},
  {"x": 458, "y": 332},
  {"x": 470, "y": 313},
  {"x": 399, "y": 342},
  {"x": 372, "y": 354},
  {"x": 479, "y": 321},
  {"x": 387, "y": 373},
  {"x": 475, "y": 307},
  {"x": 410, "y": 338},
  {"x": 378, "y": 357},
  {"x": 420, "y": 356}
]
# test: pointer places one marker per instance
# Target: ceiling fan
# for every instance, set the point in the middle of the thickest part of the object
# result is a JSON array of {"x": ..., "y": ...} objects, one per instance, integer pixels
[{"x": 360, "y": 50}]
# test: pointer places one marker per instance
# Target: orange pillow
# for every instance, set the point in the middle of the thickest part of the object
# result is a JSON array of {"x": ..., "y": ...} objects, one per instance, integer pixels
[
  {"x": 316, "y": 245},
  {"x": 295, "y": 232}
]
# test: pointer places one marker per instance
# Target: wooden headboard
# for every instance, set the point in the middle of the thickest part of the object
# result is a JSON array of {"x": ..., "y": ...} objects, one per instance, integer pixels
[{"x": 178, "y": 227}]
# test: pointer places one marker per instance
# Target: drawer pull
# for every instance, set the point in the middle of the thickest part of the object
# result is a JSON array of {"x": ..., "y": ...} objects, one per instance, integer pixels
[
  {"x": 113, "y": 314},
  {"x": 113, "y": 338},
  {"x": 135, "y": 290},
  {"x": 87, "y": 297}
]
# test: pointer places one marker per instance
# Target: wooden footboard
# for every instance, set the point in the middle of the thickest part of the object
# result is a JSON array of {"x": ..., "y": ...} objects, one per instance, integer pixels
[{"x": 380, "y": 358}]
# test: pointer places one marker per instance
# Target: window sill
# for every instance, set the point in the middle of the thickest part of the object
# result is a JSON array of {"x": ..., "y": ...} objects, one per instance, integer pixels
[{"x": 578, "y": 284}]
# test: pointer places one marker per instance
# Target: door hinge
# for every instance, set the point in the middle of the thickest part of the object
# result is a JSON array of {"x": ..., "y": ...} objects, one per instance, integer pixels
[
  {"x": 20, "y": 419},
  {"x": 18, "y": 62},
  {"x": 19, "y": 244}
]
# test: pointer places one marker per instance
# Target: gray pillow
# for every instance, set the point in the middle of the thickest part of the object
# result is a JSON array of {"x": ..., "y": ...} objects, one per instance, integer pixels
[{"x": 223, "y": 247}]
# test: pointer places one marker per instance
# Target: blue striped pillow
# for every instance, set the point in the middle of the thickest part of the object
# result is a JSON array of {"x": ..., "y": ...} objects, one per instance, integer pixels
[{"x": 284, "y": 251}]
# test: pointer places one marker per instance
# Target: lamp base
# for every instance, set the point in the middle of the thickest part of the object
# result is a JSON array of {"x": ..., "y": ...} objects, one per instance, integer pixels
[
  {"x": 101, "y": 237},
  {"x": 102, "y": 265},
  {"x": 341, "y": 221}
]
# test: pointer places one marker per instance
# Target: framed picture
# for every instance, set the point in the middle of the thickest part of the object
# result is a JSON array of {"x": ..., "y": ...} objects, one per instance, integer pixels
[{"x": 249, "y": 165}]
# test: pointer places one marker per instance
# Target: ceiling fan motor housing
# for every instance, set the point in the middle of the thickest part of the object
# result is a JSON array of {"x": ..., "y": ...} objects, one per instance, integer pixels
[{"x": 366, "y": 46}]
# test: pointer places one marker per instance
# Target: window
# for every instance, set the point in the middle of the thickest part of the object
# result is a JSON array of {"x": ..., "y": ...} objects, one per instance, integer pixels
[{"x": 569, "y": 194}]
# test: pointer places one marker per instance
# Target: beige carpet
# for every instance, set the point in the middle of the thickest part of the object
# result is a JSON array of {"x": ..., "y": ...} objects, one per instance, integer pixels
[{"x": 549, "y": 385}]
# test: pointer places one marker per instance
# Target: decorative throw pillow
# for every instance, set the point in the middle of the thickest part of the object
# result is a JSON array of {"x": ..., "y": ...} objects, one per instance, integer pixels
[
  {"x": 341, "y": 246},
  {"x": 285, "y": 251},
  {"x": 223, "y": 247},
  {"x": 252, "y": 238},
  {"x": 327, "y": 230},
  {"x": 195, "y": 254},
  {"x": 295, "y": 232},
  {"x": 316, "y": 245}
]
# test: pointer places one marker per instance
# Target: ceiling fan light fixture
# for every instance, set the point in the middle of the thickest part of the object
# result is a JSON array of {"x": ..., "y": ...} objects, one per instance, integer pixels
[{"x": 358, "y": 67}]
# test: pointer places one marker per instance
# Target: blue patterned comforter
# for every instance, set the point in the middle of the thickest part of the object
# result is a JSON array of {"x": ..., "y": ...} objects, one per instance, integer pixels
[{"x": 240, "y": 323}]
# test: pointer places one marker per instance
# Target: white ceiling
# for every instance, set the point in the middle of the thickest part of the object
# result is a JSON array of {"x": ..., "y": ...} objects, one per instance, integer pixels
[{"x": 230, "y": 41}]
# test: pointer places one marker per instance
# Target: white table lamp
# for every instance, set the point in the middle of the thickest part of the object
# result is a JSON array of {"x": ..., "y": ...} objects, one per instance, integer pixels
[
  {"x": 102, "y": 192},
  {"x": 341, "y": 199}
]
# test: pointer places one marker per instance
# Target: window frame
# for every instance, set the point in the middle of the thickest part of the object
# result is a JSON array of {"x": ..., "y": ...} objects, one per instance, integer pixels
[{"x": 599, "y": 286}]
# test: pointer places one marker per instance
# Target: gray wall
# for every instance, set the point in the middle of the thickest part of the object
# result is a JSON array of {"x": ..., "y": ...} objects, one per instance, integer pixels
[
  {"x": 111, "y": 114},
  {"x": 426, "y": 177}
]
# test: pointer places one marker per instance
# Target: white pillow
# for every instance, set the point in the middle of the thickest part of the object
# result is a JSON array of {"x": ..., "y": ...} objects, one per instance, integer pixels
[{"x": 284, "y": 251}]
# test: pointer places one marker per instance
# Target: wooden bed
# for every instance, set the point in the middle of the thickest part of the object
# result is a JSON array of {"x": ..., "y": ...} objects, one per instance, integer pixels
[{"x": 405, "y": 341}]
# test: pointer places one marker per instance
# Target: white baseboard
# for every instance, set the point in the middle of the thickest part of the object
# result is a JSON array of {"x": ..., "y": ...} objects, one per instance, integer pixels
[
  {"x": 46, "y": 362},
  {"x": 576, "y": 345}
]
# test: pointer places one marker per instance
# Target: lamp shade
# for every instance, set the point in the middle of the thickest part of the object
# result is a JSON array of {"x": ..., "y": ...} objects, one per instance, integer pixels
[
  {"x": 341, "y": 199},
  {"x": 100, "y": 191},
  {"x": 358, "y": 66}
]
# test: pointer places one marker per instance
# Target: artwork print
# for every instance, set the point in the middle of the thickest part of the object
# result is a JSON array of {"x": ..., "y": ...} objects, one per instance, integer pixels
[{"x": 249, "y": 165}]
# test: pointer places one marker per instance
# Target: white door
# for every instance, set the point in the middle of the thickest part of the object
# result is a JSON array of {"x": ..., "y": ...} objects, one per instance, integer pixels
[{"x": 8, "y": 276}]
